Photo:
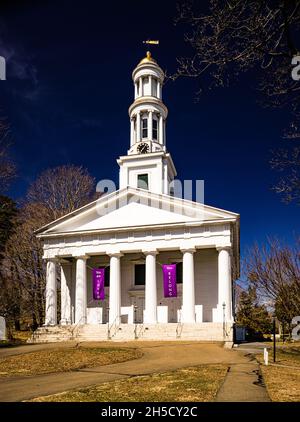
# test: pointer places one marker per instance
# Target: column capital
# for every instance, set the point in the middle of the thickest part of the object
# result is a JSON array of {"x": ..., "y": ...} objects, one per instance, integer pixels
[
  {"x": 188, "y": 249},
  {"x": 115, "y": 254},
  {"x": 53, "y": 260},
  {"x": 85, "y": 257},
  {"x": 223, "y": 248},
  {"x": 63, "y": 261},
  {"x": 150, "y": 252}
]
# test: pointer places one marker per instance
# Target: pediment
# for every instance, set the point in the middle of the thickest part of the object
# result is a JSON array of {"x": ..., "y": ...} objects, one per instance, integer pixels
[{"x": 134, "y": 208}]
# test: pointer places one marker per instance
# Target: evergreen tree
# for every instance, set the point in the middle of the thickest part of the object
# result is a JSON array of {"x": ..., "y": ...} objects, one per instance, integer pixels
[{"x": 252, "y": 314}]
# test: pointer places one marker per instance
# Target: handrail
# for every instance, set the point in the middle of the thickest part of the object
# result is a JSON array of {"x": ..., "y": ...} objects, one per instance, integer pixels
[
  {"x": 136, "y": 333},
  {"x": 116, "y": 324},
  {"x": 73, "y": 328},
  {"x": 225, "y": 324},
  {"x": 179, "y": 326}
]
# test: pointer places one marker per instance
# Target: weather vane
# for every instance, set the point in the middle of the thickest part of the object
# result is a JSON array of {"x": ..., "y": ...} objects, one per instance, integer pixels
[{"x": 152, "y": 42}]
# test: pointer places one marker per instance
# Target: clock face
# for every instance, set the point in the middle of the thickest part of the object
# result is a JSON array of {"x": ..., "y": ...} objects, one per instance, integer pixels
[{"x": 143, "y": 148}]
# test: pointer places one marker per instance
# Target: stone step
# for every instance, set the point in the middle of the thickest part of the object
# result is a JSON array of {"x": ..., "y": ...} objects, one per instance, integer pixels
[{"x": 94, "y": 332}]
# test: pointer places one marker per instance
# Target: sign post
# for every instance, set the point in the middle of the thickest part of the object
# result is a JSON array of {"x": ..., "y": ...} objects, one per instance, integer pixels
[{"x": 274, "y": 338}]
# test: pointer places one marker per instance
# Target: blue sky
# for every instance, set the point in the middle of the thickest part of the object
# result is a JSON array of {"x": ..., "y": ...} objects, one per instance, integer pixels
[{"x": 69, "y": 87}]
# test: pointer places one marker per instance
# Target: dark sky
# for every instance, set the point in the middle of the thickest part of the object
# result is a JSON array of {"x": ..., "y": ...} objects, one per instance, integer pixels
[{"x": 68, "y": 90}]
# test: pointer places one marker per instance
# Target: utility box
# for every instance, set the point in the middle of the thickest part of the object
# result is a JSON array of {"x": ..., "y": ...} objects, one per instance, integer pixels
[{"x": 240, "y": 333}]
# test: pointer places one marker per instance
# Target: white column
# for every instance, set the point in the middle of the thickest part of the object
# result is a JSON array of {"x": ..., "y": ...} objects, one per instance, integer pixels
[
  {"x": 150, "y": 288},
  {"x": 165, "y": 183},
  {"x": 51, "y": 294},
  {"x": 131, "y": 131},
  {"x": 188, "y": 286},
  {"x": 65, "y": 288},
  {"x": 164, "y": 133},
  {"x": 158, "y": 89},
  {"x": 150, "y": 85},
  {"x": 141, "y": 90},
  {"x": 224, "y": 285},
  {"x": 138, "y": 127},
  {"x": 150, "y": 120},
  {"x": 135, "y": 90},
  {"x": 115, "y": 288},
  {"x": 161, "y": 130},
  {"x": 80, "y": 293}
]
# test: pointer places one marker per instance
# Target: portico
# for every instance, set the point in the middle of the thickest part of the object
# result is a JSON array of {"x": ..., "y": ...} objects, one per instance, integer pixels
[{"x": 75, "y": 288}]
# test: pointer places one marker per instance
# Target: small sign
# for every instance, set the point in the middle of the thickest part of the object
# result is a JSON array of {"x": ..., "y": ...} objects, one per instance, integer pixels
[
  {"x": 2, "y": 328},
  {"x": 98, "y": 283},
  {"x": 169, "y": 277}
]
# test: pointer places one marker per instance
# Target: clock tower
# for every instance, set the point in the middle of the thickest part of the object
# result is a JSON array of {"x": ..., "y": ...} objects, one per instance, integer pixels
[{"x": 147, "y": 164}]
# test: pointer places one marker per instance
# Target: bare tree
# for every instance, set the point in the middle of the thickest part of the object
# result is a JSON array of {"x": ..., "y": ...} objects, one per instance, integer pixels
[
  {"x": 62, "y": 190},
  {"x": 235, "y": 36},
  {"x": 287, "y": 162},
  {"x": 274, "y": 271},
  {"x": 55, "y": 192},
  {"x": 7, "y": 168},
  {"x": 23, "y": 269}
]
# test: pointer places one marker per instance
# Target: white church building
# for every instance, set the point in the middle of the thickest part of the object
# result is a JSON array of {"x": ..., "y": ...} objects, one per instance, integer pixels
[{"x": 131, "y": 238}]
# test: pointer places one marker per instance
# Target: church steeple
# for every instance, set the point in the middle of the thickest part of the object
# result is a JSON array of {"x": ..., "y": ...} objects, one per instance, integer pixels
[
  {"x": 147, "y": 113},
  {"x": 147, "y": 164}
]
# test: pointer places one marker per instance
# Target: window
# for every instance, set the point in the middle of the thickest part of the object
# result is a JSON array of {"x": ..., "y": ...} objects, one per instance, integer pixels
[
  {"x": 142, "y": 181},
  {"x": 139, "y": 274},
  {"x": 144, "y": 127},
  {"x": 154, "y": 129},
  {"x": 106, "y": 276},
  {"x": 154, "y": 87},
  {"x": 178, "y": 272}
]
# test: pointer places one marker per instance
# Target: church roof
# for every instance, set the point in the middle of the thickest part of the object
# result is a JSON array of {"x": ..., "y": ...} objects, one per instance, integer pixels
[
  {"x": 135, "y": 210},
  {"x": 163, "y": 210}
]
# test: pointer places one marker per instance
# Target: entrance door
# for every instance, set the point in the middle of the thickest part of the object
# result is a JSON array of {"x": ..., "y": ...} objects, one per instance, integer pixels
[
  {"x": 139, "y": 306},
  {"x": 105, "y": 311},
  {"x": 174, "y": 305}
]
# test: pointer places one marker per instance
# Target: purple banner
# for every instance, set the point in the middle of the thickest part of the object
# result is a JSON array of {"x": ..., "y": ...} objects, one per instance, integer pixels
[
  {"x": 169, "y": 277},
  {"x": 98, "y": 283}
]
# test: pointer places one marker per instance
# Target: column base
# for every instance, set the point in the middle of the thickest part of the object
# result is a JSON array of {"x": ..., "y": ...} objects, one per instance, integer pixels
[
  {"x": 150, "y": 321},
  {"x": 188, "y": 321},
  {"x": 49, "y": 324},
  {"x": 218, "y": 315},
  {"x": 82, "y": 321},
  {"x": 188, "y": 317},
  {"x": 65, "y": 322}
]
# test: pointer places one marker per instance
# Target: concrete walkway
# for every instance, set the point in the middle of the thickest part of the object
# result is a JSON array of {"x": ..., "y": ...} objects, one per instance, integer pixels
[
  {"x": 244, "y": 382},
  {"x": 157, "y": 357}
]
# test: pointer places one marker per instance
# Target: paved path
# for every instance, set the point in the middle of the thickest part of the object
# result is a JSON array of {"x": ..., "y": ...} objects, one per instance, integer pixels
[
  {"x": 157, "y": 357},
  {"x": 244, "y": 382}
]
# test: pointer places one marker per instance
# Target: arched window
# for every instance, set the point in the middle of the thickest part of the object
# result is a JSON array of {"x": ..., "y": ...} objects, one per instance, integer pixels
[{"x": 144, "y": 127}]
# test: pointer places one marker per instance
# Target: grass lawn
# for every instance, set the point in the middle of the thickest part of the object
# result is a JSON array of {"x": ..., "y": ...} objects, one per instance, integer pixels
[
  {"x": 61, "y": 360},
  {"x": 283, "y": 381},
  {"x": 198, "y": 384},
  {"x": 19, "y": 337}
]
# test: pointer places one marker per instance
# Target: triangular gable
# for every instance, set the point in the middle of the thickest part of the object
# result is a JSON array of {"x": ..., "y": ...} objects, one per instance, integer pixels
[{"x": 131, "y": 207}]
